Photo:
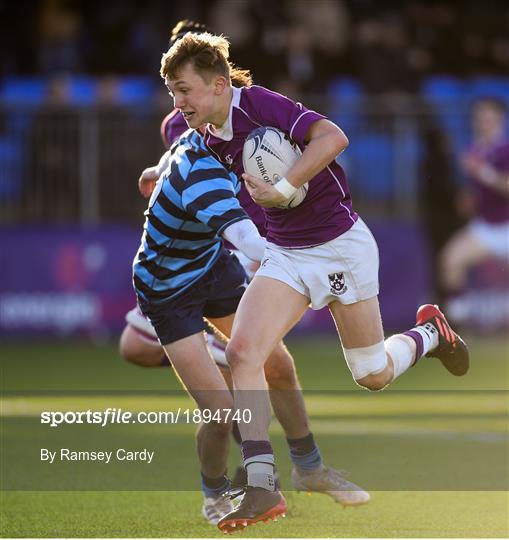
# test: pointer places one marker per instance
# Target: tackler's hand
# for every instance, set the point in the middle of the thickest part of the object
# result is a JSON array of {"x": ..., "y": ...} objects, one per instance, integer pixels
[{"x": 147, "y": 181}]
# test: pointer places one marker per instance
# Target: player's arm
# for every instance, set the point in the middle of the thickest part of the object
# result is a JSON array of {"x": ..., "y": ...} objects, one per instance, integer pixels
[
  {"x": 325, "y": 141},
  {"x": 496, "y": 180},
  {"x": 244, "y": 236},
  {"x": 150, "y": 175},
  {"x": 484, "y": 173},
  {"x": 493, "y": 178},
  {"x": 210, "y": 196},
  {"x": 321, "y": 139}
]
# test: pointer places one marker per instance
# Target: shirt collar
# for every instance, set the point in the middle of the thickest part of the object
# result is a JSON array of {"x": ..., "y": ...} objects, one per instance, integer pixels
[{"x": 225, "y": 132}]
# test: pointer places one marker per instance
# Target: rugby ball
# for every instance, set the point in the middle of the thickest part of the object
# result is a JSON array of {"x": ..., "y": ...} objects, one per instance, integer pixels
[{"x": 268, "y": 153}]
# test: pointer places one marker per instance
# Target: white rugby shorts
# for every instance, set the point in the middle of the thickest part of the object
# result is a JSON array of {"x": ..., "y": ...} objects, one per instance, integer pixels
[
  {"x": 494, "y": 236},
  {"x": 344, "y": 269}
]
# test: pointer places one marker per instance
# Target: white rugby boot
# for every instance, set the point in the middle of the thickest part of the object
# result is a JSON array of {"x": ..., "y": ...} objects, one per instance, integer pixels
[
  {"x": 215, "y": 508},
  {"x": 331, "y": 482}
]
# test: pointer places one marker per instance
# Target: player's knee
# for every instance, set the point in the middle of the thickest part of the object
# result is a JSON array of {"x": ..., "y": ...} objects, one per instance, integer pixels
[
  {"x": 220, "y": 428},
  {"x": 374, "y": 382},
  {"x": 280, "y": 377},
  {"x": 216, "y": 428},
  {"x": 126, "y": 351},
  {"x": 280, "y": 370},
  {"x": 143, "y": 360},
  {"x": 368, "y": 366},
  {"x": 144, "y": 356},
  {"x": 240, "y": 355}
]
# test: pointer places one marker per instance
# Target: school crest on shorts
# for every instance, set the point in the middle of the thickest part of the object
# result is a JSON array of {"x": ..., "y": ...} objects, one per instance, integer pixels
[{"x": 337, "y": 284}]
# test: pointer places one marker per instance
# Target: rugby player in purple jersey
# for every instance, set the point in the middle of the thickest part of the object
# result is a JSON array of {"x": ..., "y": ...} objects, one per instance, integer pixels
[
  {"x": 139, "y": 344},
  {"x": 486, "y": 163},
  {"x": 319, "y": 253}
]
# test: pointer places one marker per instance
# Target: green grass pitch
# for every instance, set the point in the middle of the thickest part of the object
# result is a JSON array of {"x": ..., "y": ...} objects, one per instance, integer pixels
[{"x": 432, "y": 449}]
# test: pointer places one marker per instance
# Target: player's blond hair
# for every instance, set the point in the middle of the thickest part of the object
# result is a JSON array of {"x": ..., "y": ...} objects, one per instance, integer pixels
[{"x": 209, "y": 55}]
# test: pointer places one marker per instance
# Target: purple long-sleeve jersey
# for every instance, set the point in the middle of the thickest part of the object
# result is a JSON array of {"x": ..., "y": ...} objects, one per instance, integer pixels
[
  {"x": 172, "y": 127},
  {"x": 326, "y": 212},
  {"x": 492, "y": 206}
]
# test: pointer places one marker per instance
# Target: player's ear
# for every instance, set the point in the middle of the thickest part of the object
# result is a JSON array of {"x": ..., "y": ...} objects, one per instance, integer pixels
[{"x": 220, "y": 85}]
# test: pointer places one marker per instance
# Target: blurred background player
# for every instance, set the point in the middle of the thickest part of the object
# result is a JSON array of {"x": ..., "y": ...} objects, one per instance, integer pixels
[
  {"x": 331, "y": 262},
  {"x": 139, "y": 344},
  {"x": 486, "y": 164}
]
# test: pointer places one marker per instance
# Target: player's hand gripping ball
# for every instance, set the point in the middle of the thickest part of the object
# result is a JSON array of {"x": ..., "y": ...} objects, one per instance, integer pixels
[{"x": 269, "y": 154}]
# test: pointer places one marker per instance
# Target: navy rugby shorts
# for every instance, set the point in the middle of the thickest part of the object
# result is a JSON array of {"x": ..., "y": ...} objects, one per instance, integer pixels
[{"x": 216, "y": 294}]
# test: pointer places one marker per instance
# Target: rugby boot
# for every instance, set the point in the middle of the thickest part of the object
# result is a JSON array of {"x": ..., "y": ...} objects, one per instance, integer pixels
[
  {"x": 214, "y": 508},
  {"x": 258, "y": 504},
  {"x": 330, "y": 482},
  {"x": 452, "y": 350}
]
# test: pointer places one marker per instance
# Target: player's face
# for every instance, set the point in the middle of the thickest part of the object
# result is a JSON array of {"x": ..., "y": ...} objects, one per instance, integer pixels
[
  {"x": 487, "y": 121},
  {"x": 197, "y": 98}
]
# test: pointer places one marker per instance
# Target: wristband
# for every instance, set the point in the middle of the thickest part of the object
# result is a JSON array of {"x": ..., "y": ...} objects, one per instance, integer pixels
[{"x": 285, "y": 188}]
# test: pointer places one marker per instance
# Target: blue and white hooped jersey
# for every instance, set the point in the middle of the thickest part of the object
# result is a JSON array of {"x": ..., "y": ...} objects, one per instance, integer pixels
[{"x": 194, "y": 200}]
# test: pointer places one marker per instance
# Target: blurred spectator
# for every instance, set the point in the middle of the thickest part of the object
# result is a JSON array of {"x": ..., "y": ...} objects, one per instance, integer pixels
[
  {"x": 108, "y": 90},
  {"x": 126, "y": 138},
  {"x": 297, "y": 73},
  {"x": 235, "y": 21},
  {"x": 111, "y": 24},
  {"x": 486, "y": 163},
  {"x": 328, "y": 23},
  {"x": 328, "y": 30},
  {"x": 384, "y": 64},
  {"x": 59, "y": 28},
  {"x": 300, "y": 63},
  {"x": 263, "y": 53},
  {"x": 390, "y": 46},
  {"x": 52, "y": 181}
]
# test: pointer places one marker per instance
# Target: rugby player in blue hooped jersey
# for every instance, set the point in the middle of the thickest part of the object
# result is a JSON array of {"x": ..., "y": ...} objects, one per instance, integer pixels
[
  {"x": 319, "y": 252},
  {"x": 182, "y": 273},
  {"x": 138, "y": 342}
]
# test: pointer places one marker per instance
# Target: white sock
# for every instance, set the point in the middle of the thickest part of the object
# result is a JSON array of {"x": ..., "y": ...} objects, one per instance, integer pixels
[
  {"x": 401, "y": 353},
  {"x": 260, "y": 474},
  {"x": 429, "y": 337}
]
